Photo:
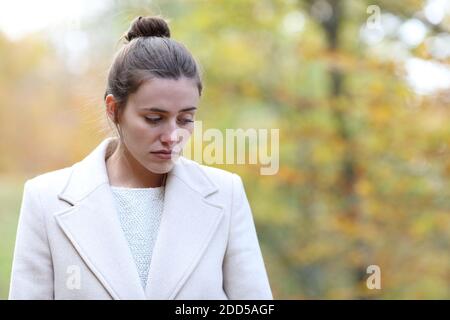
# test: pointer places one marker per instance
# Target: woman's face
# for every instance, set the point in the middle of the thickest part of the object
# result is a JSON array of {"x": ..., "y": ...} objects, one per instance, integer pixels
[{"x": 159, "y": 116}]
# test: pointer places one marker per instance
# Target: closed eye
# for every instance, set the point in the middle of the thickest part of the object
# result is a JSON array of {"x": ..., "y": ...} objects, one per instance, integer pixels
[
  {"x": 153, "y": 120},
  {"x": 157, "y": 119}
]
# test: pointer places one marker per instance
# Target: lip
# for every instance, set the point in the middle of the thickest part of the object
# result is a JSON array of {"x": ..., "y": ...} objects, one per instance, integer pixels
[
  {"x": 163, "y": 151},
  {"x": 164, "y": 156}
]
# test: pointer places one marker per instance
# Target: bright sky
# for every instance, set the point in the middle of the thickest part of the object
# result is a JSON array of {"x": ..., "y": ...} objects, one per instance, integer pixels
[
  {"x": 20, "y": 17},
  {"x": 425, "y": 76}
]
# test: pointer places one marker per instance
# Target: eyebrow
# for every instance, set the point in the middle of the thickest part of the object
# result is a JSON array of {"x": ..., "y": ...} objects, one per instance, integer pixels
[{"x": 165, "y": 111}]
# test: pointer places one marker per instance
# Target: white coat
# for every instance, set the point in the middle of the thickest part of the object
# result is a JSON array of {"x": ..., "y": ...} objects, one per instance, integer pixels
[{"x": 70, "y": 244}]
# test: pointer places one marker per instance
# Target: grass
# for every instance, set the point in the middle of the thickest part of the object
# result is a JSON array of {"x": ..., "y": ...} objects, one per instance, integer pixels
[{"x": 11, "y": 190}]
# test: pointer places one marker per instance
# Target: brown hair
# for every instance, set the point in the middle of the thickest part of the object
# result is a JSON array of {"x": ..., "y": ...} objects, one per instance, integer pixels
[{"x": 148, "y": 53}]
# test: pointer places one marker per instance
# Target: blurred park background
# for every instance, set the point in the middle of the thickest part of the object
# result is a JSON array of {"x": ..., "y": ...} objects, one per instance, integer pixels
[{"x": 360, "y": 91}]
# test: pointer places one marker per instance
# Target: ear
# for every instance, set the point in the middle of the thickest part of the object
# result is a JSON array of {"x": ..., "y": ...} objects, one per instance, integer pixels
[{"x": 111, "y": 107}]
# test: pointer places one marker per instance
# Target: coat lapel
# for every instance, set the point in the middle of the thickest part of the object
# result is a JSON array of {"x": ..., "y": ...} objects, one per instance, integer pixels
[
  {"x": 92, "y": 225},
  {"x": 187, "y": 226}
]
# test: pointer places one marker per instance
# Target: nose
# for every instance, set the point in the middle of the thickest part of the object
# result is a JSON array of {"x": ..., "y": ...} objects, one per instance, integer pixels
[{"x": 171, "y": 136}]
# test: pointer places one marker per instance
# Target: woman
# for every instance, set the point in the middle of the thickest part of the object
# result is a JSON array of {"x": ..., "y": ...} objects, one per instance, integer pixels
[{"x": 135, "y": 219}]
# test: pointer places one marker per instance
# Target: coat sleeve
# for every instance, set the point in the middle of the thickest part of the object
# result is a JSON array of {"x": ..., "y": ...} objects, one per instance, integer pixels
[
  {"x": 32, "y": 270},
  {"x": 245, "y": 276}
]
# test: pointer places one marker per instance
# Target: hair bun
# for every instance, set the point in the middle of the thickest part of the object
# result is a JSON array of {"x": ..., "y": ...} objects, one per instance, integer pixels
[{"x": 147, "y": 27}]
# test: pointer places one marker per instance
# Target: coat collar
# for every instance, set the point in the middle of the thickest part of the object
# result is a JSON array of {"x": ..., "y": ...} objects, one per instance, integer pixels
[
  {"x": 90, "y": 173},
  {"x": 188, "y": 223}
]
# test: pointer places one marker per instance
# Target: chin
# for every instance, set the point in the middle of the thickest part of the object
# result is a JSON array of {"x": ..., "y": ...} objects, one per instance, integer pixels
[{"x": 160, "y": 168}]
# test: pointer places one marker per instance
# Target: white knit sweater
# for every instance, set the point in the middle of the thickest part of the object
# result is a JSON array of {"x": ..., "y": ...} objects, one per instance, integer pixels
[{"x": 140, "y": 211}]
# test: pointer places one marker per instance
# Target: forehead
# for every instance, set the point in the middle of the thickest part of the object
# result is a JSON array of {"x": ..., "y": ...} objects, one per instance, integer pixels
[{"x": 168, "y": 94}]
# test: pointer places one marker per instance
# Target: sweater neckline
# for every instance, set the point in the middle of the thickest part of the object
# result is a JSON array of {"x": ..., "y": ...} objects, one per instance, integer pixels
[{"x": 137, "y": 189}]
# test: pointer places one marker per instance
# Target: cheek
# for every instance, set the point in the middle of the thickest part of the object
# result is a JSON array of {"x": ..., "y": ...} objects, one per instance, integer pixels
[
  {"x": 148, "y": 134},
  {"x": 141, "y": 127},
  {"x": 141, "y": 133}
]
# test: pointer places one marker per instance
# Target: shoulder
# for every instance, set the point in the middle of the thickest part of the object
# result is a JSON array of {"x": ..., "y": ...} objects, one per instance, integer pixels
[
  {"x": 50, "y": 182},
  {"x": 220, "y": 177},
  {"x": 39, "y": 193},
  {"x": 228, "y": 183}
]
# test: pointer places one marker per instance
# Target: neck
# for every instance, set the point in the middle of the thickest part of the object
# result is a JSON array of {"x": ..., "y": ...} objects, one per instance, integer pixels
[{"x": 125, "y": 171}]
